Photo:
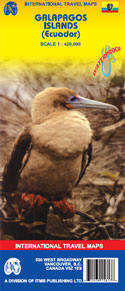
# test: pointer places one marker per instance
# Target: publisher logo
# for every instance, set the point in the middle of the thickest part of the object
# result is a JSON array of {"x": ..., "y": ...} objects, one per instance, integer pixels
[
  {"x": 10, "y": 8},
  {"x": 12, "y": 265}
]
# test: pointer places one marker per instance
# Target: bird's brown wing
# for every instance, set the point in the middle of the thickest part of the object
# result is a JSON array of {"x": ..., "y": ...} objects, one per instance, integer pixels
[
  {"x": 16, "y": 161},
  {"x": 86, "y": 159}
]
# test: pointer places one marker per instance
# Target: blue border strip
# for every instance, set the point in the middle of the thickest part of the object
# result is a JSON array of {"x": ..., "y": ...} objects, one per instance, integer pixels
[{"x": 106, "y": 9}]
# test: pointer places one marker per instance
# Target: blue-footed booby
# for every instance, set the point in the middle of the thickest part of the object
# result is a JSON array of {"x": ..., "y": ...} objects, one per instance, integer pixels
[{"x": 51, "y": 155}]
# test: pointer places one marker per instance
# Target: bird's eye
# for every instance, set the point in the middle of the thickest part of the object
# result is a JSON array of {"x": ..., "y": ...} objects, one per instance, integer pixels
[{"x": 73, "y": 98}]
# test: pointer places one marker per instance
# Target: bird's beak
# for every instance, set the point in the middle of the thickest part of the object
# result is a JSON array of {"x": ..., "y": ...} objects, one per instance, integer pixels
[{"x": 81, "y": 102}]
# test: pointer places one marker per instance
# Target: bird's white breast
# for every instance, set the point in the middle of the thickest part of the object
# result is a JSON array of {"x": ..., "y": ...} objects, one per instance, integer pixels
[{"x": 55, "y": 161}]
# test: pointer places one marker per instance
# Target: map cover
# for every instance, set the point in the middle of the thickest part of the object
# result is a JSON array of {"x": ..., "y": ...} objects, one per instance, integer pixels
[{"x": 62, "y": 145}]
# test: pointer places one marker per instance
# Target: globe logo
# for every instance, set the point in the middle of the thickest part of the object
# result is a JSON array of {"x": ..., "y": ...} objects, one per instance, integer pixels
[
  {"x": 12, "y": 265},
  {"x": 10, "y": 8}
]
